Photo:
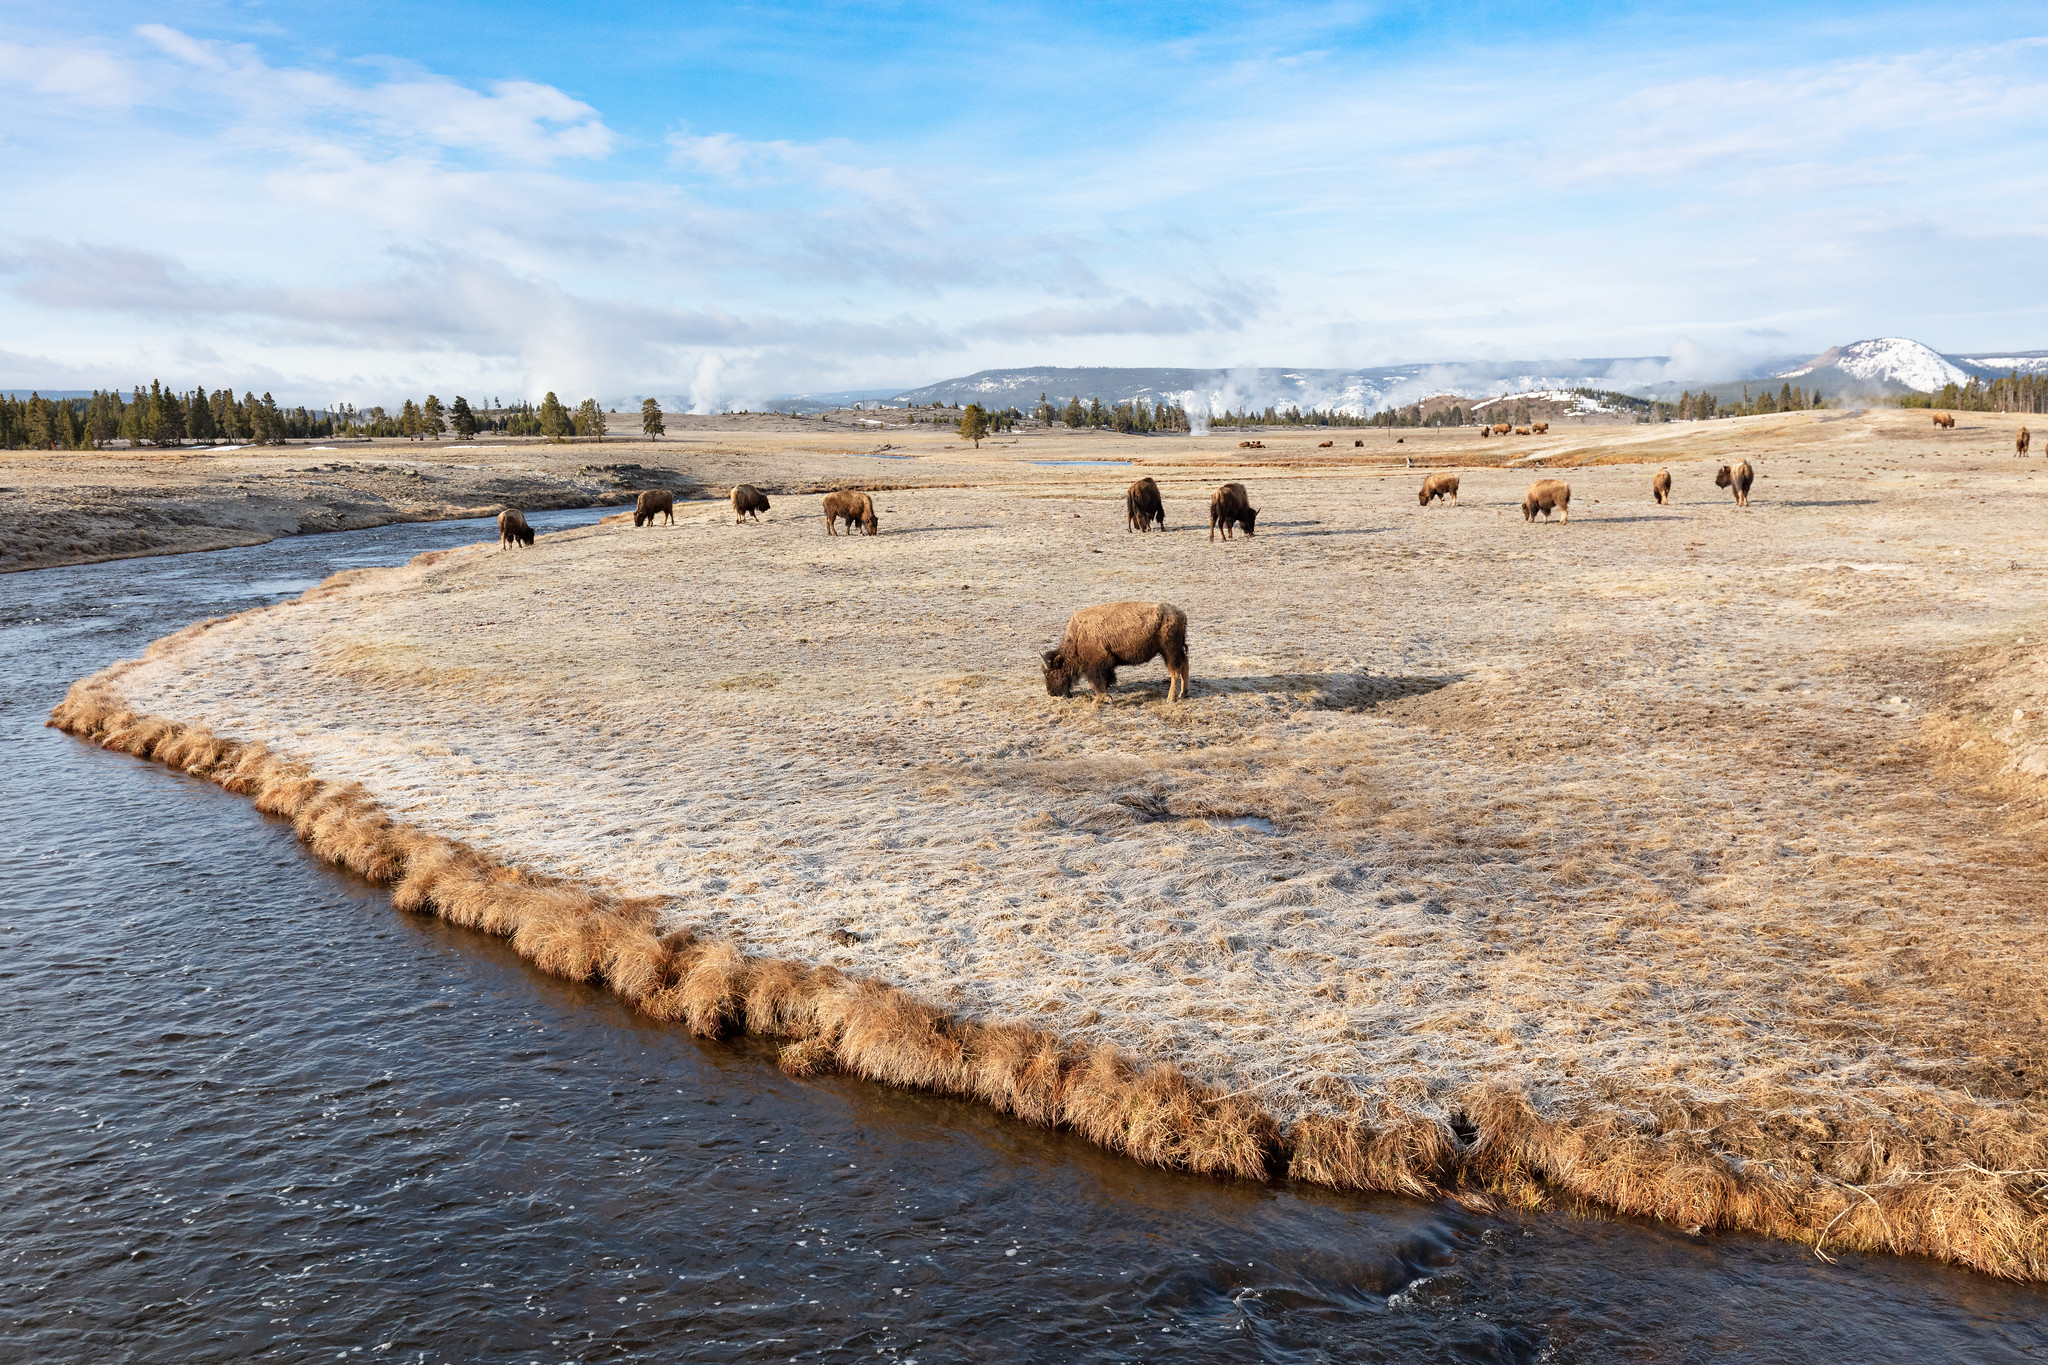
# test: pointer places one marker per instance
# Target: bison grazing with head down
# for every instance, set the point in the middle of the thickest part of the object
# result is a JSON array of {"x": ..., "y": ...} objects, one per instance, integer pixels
[
  {"x": 653, "y": 503},
  {"x": 851, "y": 508},
  {"x": 513, "y": 530},
  {"x": 748, "y": 501},
  {"x": 1436, "y": 486},
  {"x": 1942, "y": 419},
  {"x": 2022, "y": 441},
  {"x": 1547, "y": 496},
  {"x": 1660, "y": 487},
  {"x": 1142, "y": 506},
  {"x": 1100, "y": 640},
  {"x": 1231, "y": 506},
  {"x": 1739, "y": 478}
]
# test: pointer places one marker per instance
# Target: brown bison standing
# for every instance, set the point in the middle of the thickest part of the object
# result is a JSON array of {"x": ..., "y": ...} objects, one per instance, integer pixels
[
  {"x": 1501, "y": 428},
  {"x": 851, "y": 508},
  {"x": 1660, "y": 487},
  {"x": 2022, "y": 441},
  {"x": 1100, "y": 640},
  {"x": 1540, "y": 428},
  {"x": 512, "y": 529},
  {"x": 1943, "y": 420},
  {"x": 1142, "y": 505},
  {"x": 1231, "y": 506},
  {"x": 653, "y": 503},
  {"x": 1739, "y": 478},
  {"x": 1357, "y": 445},
  {"x": 1547, "y": 496},
  {"x": 748, "y": 501},
  {"x": 1436, "y": 486}
]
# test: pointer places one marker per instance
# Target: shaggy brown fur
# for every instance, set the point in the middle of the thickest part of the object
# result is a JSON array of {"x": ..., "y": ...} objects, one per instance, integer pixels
[
  {"x": 1436, "y": 486},
  {"x": 1547, "y": 496},
  {"x": 1904, "y": 1193},
  {"x": 1099, "y": 640},
  {"x": 1540, "y": 428},
  {"x": 852, "y": 508},
  {"x": 2022, "y": 441},
  {"x": 1660, "y": 487},
  {"x": 1251, "y": 445},
  {"x": 1230, "y": 506},
  {"x": 513, "y": 530},
  {"x": 1521, "y": 431},
  {"x": 1943, "y": 420},
  {"x": 1738, "y": 478},
  {"x": 1501, "y": 428},
  {"x": 1358, "y": 445},
  {"x": 1142, "y": 505},
  {"x": 655, "y": 502},
  {"x": 748, "y": 501},
  {"x": 1324, "y": 445}
]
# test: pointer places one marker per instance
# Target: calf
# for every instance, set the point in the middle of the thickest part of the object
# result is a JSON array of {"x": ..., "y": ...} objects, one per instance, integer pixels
[
  {"x": 1436, "y": 486},
  {"x": 748, "y": 501},
  {"x": 851, "y": 508},
  {"x": 653, "y": 503},
  {"x": 1660, "y": 487},
  {"x": 1547, "y": 496},
  {"x": 1231, "y": 506},
  {"x": 1142, "y": 506},
  {"x": 513, "y": 530},
  {"x": 1739, "y": 478},
  {"x": 1099, "y": 640}
]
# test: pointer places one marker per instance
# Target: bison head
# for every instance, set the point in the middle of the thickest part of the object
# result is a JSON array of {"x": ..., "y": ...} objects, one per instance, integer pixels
[
  {"x": 1251, "y": 516},
  {"x": 1724, "y": 478},
  {"x": 872, "y": 525},
  {"x": 1060, "y": 674}
]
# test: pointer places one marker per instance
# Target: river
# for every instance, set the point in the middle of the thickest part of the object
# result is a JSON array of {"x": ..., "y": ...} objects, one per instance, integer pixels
[{"x": 252, "y": 1112}]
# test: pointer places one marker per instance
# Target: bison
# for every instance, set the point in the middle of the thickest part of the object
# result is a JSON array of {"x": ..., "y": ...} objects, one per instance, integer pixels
[
  {"x": 1943, "y": 420},
  {"x": 1540, "y": 428},
  {"x": 1660, "y": 487},
  {"x": 1142, "y": 506},
  {"x": 1231, "y": 506},
  {"x": 1099, "y": 640},
  {"x": 748, "y": 501},
  {"x": 1324, "y": 445},
  {"x": 1485, "y": 432},
  {"x": 851, "y": 508},
  {"x": 1501, "y": 428},
  {"x": 1547, "y": 496},
  {"x": 1521, "y": 431},
  {"x": 2022, "y": 441},
  {"x": 1436, "y": 486},
  {"x": 1355, "y": 445},
  {"x": 1739, "y": 478},
  {"x": 653, "y": 503},
  {"x": 512, "y": 529}
]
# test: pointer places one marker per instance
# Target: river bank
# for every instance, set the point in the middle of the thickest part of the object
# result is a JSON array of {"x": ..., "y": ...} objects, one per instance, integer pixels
[{"x": 1597, "y": 863}]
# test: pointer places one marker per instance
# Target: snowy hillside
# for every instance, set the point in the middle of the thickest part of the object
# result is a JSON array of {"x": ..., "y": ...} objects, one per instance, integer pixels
[{"x": 1880, "y": 365}]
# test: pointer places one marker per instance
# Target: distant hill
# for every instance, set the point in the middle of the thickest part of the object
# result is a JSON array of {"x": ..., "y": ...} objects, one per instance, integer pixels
[
  {"x": 47, "y": 393},
  {"x": 1880, "y": 366}
]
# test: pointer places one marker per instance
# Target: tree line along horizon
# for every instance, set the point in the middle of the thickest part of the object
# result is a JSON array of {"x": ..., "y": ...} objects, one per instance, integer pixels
[{"x": 162, "y": 416}]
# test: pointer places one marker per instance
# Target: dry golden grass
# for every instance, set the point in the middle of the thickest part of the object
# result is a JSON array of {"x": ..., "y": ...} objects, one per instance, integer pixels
[{"x": 1681, "y": 861}]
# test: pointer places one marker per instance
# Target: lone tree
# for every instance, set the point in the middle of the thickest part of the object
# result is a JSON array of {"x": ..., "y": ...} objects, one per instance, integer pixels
[
  {"x": 461, "y": 418},
  {"x": 973, "y": 424},
  {"x": 554, "y": 418},
  {"x": 650, "y": 418}
]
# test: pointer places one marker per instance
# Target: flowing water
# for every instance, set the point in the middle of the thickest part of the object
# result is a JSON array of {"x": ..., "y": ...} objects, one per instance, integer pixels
[{"x": 250, "y": 1111}]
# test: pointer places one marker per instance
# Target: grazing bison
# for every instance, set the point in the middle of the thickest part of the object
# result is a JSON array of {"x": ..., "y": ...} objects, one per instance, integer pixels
[
  {"x": 851, "y": 508},
  {"x": 1099, "y": 640},
  {"x": 1942, "y": 419},
  {"x": 2022, "y": 441},
  {"x": 1357, "y": 444},
  {"x": 512, "y": 529},
  {"x": 748, "y": 501},
  {"x": 1739, "y": 478},
  {"x": 1324, "y": 445},
  {"x": 1540, "y": 428},
  {"x": 1660, "y": 487},
  {"x": 1436, "y": 486},
  {"x": 1501, "y": 428},
  {"x": 1231, "y": 506},
  {"x": 1547, "y": 496},
  {"x": 1142, "y": 506},
  {"x": 653, "y": 503}
]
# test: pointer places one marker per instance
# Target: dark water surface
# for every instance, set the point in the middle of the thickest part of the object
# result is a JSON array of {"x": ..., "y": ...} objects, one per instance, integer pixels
[{"x": 250, "y": 1111}]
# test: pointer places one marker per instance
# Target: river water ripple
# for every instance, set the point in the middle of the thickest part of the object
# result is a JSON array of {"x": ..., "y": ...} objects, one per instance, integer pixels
[{"x": 251, "y": 1112}]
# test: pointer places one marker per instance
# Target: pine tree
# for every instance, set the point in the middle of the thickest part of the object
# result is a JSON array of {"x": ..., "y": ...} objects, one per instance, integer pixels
[
  {"x": 651, "y": 424},
  {"x": 1075, "y": 415},
  {"x": 589, "y": 419},
  {"x": 554, "y": 418},
  {"x": 409, "y": 420},
  {"x": 973, "y": 424},
  {"x": 462, "y": 419},
  {"x": 432, "y": 422},
  {"x": 199, "y": 419}
]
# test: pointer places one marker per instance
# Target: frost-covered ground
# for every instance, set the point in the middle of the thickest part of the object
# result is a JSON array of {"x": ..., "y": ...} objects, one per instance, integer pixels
[{"x": 1642, "y": 806}]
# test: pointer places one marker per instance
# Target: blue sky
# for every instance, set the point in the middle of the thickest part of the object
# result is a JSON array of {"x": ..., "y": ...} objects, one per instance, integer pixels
[{"x": 363, "y": 202}]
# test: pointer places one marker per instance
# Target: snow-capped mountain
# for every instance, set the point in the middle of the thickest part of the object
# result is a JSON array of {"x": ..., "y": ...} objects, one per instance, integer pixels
[{"x": 1880, "y": 365}]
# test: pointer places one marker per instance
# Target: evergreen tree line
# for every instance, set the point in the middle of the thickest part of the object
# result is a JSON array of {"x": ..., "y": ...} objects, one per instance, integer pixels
[
  {"x": 2015, "y": 393},
  {"x": 1703, "y": 405},
  {"x": 1290, "y": 416}
]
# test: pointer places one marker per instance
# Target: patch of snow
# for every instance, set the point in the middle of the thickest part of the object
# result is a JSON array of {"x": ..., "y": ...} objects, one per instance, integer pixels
[
  {"x": 2025, "y": 364},
  {"x": 1896, "y": 360}
]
